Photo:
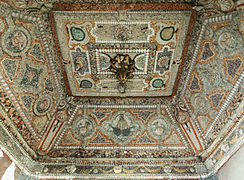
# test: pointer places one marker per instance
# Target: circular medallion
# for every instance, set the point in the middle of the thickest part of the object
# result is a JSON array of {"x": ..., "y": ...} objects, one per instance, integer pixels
[
  {"x": 16, "y": 41},
  {"x": 159, "y": 127},
  {"x": 43, "y": 105},
  {"x": 226, "y": 41},
  {"x": 182, "y": 117},
  {"x": 61, "y": 116},
  {"x": 200, "y": 103},
  {"x": 84, "y": 127},
  {"x": 121, "y": 33}
]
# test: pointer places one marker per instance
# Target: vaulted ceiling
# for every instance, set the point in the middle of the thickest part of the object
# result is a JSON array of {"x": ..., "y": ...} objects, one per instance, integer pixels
[{"x": 65, "y": 113}]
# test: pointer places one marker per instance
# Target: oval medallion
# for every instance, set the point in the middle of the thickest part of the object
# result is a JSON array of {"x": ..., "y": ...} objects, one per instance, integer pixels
[
  {"x": 77, "y": 34},
  {"x": 158, "y": 83},
  {"x": 167, "y": 33},
  {"x": 86, "y": 84}
]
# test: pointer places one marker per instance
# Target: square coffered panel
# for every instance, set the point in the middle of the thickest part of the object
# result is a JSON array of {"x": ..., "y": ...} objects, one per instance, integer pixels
[{"x": 156, "y": 40}]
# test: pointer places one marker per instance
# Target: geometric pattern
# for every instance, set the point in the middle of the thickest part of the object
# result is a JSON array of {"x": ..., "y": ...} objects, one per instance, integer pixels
[
  {"x": 69, "y": 139},
  {"x": 204, "y": 121},
  {"x": 233, "y": 67},
  {"x": 145, "y": 139},
  {"x": 183, "y": 117},
  {"x": 10, "y": 66},
  {"x": 173, "y": 139},
  {"x": 97, "y": 41},
  {"x": 120, "y": 128},
  {"x": 37, "y": 52},
  {"x": 144, "y": 114},
  {"x": 100, "y": 115},
  {"x": 27, "y": 101},
  {"x": 31, "y": 77},
  {"x": 195, "y": 84},
  {"x": 207, "y": 53},
  {"x": 216, "y": 99},
  {"x": 99, "y": 139}
]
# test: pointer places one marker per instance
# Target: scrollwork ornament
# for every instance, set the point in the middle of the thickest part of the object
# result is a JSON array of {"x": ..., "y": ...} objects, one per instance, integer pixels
[
  {"x": 182, "y": 106},
  {"x": 62, "y": 104},
  {"x": 180, "y": 112}
]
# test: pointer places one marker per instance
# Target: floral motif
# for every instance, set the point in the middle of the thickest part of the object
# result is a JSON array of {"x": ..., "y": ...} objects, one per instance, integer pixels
[{"x": 122, "y": 127}]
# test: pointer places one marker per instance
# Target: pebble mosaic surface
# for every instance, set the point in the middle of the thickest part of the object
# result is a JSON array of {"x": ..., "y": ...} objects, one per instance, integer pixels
[{"x": 62, "y": 113}]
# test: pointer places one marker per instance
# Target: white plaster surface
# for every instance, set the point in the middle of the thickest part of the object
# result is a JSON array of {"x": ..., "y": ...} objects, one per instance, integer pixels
[
  {"x": 234, "y": 168},
  {"x": 9, "y": 173},
  {"x": 1, "y": 153}
]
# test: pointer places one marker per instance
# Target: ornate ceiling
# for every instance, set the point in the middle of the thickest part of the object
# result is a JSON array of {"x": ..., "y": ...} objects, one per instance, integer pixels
[{"x": 63, "y": 113}]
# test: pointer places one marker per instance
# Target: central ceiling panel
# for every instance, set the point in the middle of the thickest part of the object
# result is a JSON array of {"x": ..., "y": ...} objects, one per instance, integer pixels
[{"x": 154, "y": 39}]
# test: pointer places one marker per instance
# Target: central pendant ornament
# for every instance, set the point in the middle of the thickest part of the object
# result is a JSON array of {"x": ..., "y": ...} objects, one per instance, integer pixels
[{"x": 123, "y": 67}]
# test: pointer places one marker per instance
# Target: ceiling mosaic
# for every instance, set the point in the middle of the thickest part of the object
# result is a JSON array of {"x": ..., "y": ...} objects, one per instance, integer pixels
[
  {"x": 65, "y": 113},
  {"x": 155, "y": 41}
]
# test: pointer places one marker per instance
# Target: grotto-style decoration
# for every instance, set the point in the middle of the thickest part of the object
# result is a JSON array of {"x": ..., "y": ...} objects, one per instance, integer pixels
[{"x": 121, "y": 90}]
